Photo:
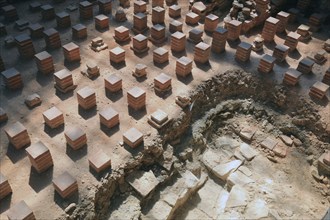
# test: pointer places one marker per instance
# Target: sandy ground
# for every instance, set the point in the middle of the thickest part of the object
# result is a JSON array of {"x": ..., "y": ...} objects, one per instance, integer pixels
[{"x": 37, "y": 190}]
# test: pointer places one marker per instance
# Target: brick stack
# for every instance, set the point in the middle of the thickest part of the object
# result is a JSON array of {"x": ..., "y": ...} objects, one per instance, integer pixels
[
  {"x": 211, "y": 23},
  {"x": 157, "y": 34},
  {"x": 139, "y": 23},
  {"x": 85, "y": 10},
  {"x": 219, "y": 38},
  {"x": 174, "y": 11},
  {"x": 133, "y": 137},
  {"x": 158, "y": 119},
  {"x": 283, "y": 18},
  {"x": 79, "y": 31},
  {"x": 20, "y": 211},
  {"x": 25, "y": 46},
  {"x": 291, "y": 77},
  {"x": 86, "y": 98},
  {"x": 195, "y": 35},
  {"x": 171, "y": 2},
  {"x": 21, "y": 24},
  {"x": 75, "y": 137},
  {"x": 10, "y": 13},
  {"x": 175, "y": 26},
  {"x": 291, "y": 40},
  {"x": 113, "y": 83},
  {"x": 262, "y": 6},
  {"x": 47, "y": 12},
  {"x": 302, "y": 5},
  {"x": 52, "y": 38},
  {"x": 12, "y": 78},
  {"x": 305, "y": 65},
  {"x": 293, "y": 14},
  {"x": 117, "y": 55},
  {"x": 140, "y": 6},
  {"x": 140, "y": 70},
  {"x": 315, "y": 21},
  {"x": 98, "y": 45},
  {"x": 319, "y": 90},
  {"x": 140, "y": 44},
  {"x": 158, "y": 15},
  {"x": 63, "y": 20},
  {"x": 39, "y": 156},
  {"x": 120, "y": 15},
  {"x": 326, "y": 77},
  {"x": 109, "y": 117},
  {"x": 65, "y": 185},
  {"x": 202, "y": 52},
  {"x": 17, "y": 135},
  {"x": 34, "y": 6},
  {"x": 183, "y": 66},
  {"x": 64, "y": 81},
  {"x": 3, "y": 115},
  {"x": 192, "y": 18},
  {"x": 101, "y": 22},
  {"x": 243, "y": 52},
  {"x": 53, "y": 117},
  {"x": 320, "y": 57},
  {"x": 122, "y": 34},
  {"x": 136, "y": 98},
  {"x": 71, "y": 52},
  {"x": 44, "y": 62},
  {"x": 156, "y": 3},
  {"x": 2, "y": 65},
  {"x": 303, "y": 30},
  {"x": 269, "y": 30},
  {"x": 280, "y": 52},
  {"x": 105, "y": 6},
  {"x": 92, "y": 70},
  {"x": 234, "y": 30},
  {"x": 3, "y": 30},
  {"x": 178, "y": 42},
  {"x": 99, "y": 161},
  {"x": 36, "y": 30},
  {"x": 162, "y": 83},
  {"x": 326, "y": 45},
  {"x": 160, "y": 55},
  {"x": 266, "y": 64},
  {"x": 5, "y": 188}
]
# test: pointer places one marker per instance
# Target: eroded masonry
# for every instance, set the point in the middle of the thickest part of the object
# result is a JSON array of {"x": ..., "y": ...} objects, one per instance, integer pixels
[{"x": 164, "y": 109}]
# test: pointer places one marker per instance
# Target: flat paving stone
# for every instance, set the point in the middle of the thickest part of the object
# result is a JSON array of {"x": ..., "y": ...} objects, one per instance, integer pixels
[
  {"x": 248, "y": 132},
  {"x": 210, "y": 159},
  {"x": 256, "y": 209},
  {"x": 269, "y": 143},
  {"x": 238, "y": 196},
  {"x": 238, "y": 178},
  {"x": 247, "y": 151},
  {"x": 223, "y": 170}
]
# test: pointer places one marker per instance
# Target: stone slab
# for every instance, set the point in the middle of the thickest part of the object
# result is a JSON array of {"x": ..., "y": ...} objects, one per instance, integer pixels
[
  {"x": 238, "y": 197},
  {"x": 223, "y": 170},
  {"x": 247, "y": 151},
  {"x": 143, "y": 182}
]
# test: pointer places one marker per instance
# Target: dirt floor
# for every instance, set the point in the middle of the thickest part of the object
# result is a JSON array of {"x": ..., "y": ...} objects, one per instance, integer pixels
[{"x": 285, "y": 188}]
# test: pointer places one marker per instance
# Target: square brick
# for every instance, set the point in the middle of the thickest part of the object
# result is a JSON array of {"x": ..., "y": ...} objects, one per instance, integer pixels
[
  {"x": 65, "y": 185},
  {"x": 99, "y": 161},
  {"x": 20, "y": 211},
  {"x": 133, "y": 137},
  {"x": 75, "y": 137}
]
